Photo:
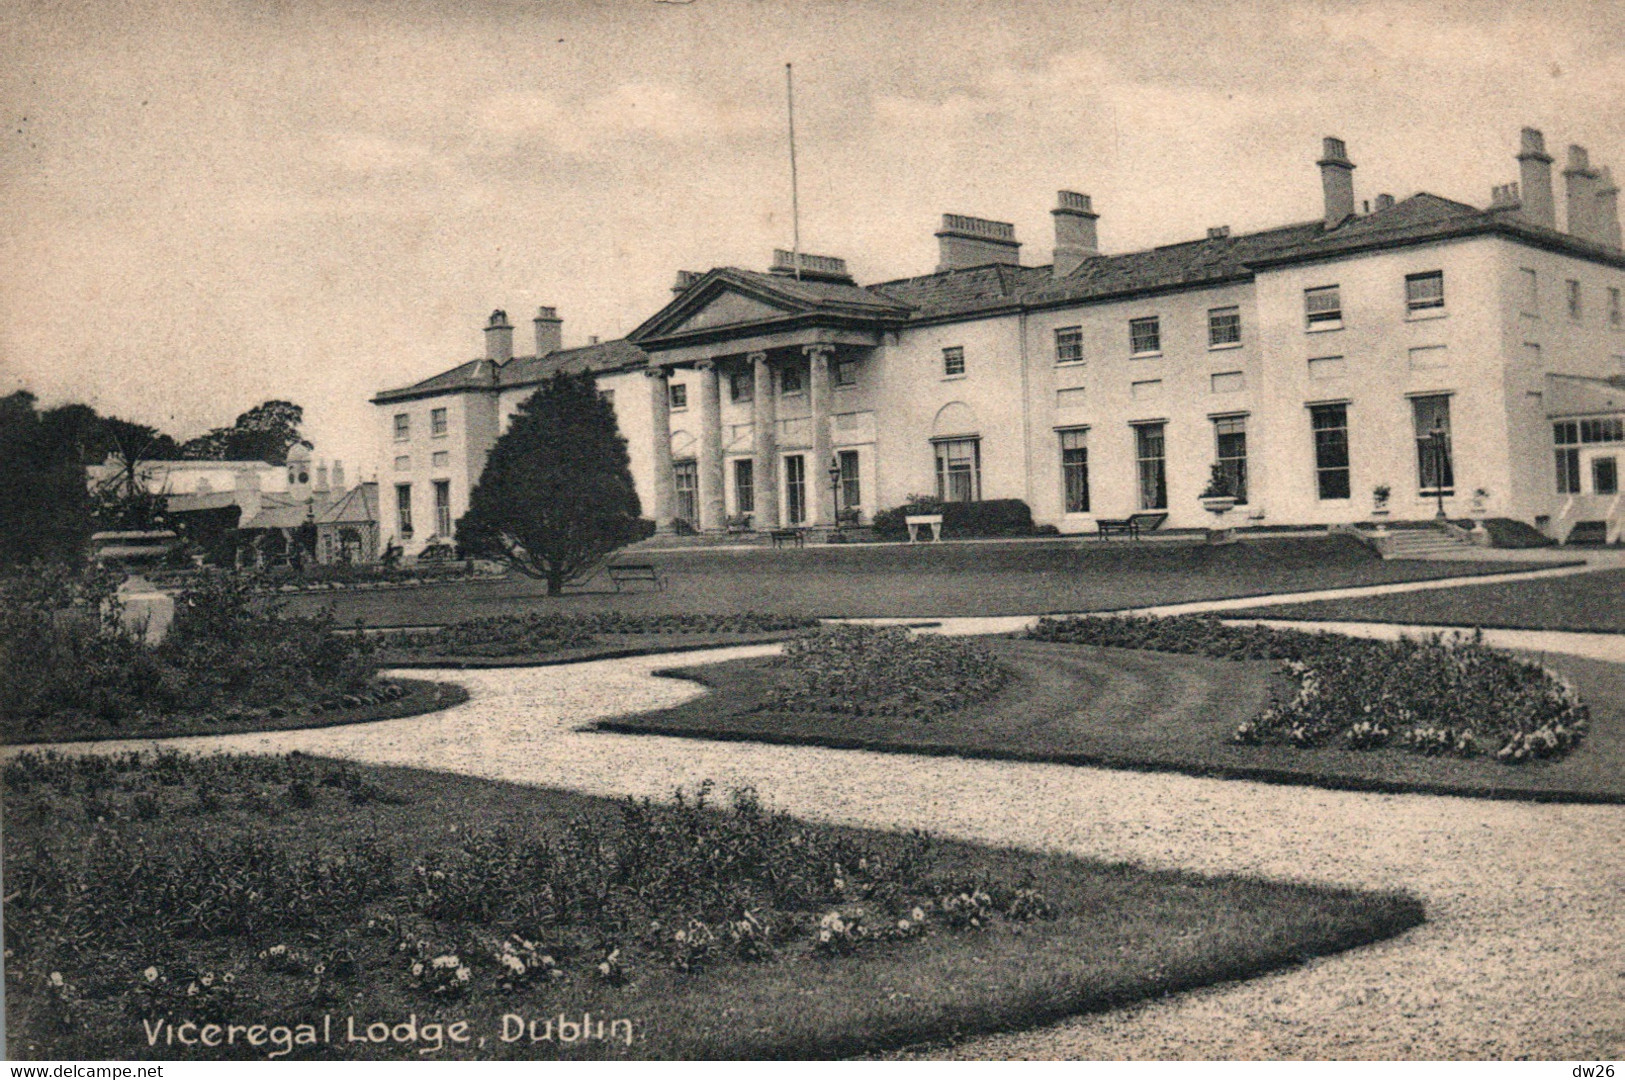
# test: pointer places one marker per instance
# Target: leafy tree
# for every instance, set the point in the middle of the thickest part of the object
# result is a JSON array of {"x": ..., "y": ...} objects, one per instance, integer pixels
[
  {"x": 264, "y": 433},
  {"x": 556, "y": 495},
  {"x": 46, "y": 506}
]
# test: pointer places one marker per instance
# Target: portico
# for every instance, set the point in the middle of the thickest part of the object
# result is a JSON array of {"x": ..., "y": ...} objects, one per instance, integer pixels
[{"x": 744, "y": 369}]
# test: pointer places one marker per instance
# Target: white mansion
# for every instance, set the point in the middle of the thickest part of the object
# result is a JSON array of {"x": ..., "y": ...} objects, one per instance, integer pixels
[{"x": 1423, "y": 345}]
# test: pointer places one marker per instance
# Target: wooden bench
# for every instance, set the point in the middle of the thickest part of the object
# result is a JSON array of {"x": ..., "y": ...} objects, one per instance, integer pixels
[
  {"x": 1130, "y": 526},
  {"x": 780, "y": 537},
  {"x": 620, "y": 573}
]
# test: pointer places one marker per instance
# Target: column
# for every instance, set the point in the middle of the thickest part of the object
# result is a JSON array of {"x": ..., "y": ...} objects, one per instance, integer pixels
[
  {"x": 713, "y": 515},
  {"x": 821, "y": 510},
  {"x": 765, "y": 444},
  {"x": 665, "y": 495}
]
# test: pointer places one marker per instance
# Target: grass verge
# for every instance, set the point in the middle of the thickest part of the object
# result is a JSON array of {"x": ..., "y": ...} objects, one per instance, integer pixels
[
  {"x": 925, "y": 580},
  {"x": 1588, "y": 602},
  {"x": 1128, "y": 708},
  {"x": 96, "y": 989}
]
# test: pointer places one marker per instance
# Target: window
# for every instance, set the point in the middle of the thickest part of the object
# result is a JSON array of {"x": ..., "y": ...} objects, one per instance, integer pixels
[
  {"x": 1075, "y": 470},
  {"x": 1573, "y": 289},
  {"x": 437, "y": 423},
  {"x": 403, "y": 427},
  {"x": 442, "y": 507},
  {"x": 403, "y": 510},
  {"x": 744, "y": 486},
  {"x": 1330, "y": 424},
  {"x": 679, "y": 396},
  {"x": 1069, "y": 345},
  {"x": 846, "y": 373},
  {"x": 1145, "y": 336},
  {"x": 741, "y": 386},
  {"x": 1435, "y": 471},
  {"x": 1149, "y": 454},
  {"x": 1424, "y": 291},
  {"x": 403, "y": 463},
  {"x": 1566, "y": 438},
  {"x": 440, "y": 459},
  {"x": 851, "y": 490},
  {"x": 1230, "y": 437},
  {"x": 1227, "y": 382},
  {"x": 1529, "y": 290},
  {"x": 795, "y": 489},
  {"x": 953, "y": 361},
  {"x": 685, "y": 482},
  {"x": 1323, "y": 307},
  {"x": 1603, "y": 429},
  {"x": 1615, "y": 316},
  {"x": 1604, "y": 476},
  {"x": 1072, "y": 397},
  {"x": 959, "y": 470},
  {"x": 1223, "y": 327},
  {"x": 790, "y": 380},
  {"x": 1327, "y": 367},
  {"x": 1145, "y": 389}
]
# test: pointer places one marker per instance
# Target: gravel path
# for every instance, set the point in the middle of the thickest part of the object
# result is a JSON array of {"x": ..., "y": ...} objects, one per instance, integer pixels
[{"x": 1523, "y": 956}]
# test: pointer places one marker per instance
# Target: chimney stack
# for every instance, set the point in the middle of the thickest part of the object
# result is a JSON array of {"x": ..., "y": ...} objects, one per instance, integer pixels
[
  {"x": 1218, "y": 232},
  {"x": 338, "y": 477},
  {"x": 499, "y": 337},
  {"x": 321, "y": 477},
  {"x": 1384, "y": 201},
  {"x": 1580, "y": 187},
  {"x": 549, "y": 330},
  {"x": 1336, "y": 181},
  {"x": 1535, "y": 180},
  {"x": 968, "y": 241},
  {"x": 1607, "y": 210},
  {"x": 685, "y": 279},
  {"x": 1075, "y": 238}
]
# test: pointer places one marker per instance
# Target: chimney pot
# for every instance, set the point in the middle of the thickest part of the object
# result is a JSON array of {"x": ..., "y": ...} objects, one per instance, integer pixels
[
  {"x": 1384, "y": 202},
  {"x": 1535, "y": 181},
  {"x": 1218, "y": 232},
  {"x": 549, "y": 330},
  {"x": 1505, "y": 197},
  {"x": 1076, "y": 240},
  {"x": 499, "y": 337},
  {"x": 685, "y": 279},
  {"x": 1336, "y": 181},
  {"x": 965, "y": 241}
]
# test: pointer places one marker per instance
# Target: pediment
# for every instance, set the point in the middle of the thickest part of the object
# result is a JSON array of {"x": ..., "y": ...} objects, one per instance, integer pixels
[{"x": 729, "y": 308}]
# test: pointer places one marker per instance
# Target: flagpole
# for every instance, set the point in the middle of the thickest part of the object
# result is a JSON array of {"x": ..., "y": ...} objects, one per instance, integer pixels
[{"x": 795, "y": 196}]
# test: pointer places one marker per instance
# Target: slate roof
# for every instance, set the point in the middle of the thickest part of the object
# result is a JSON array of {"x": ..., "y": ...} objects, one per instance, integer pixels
[
  {"x": 521, "y": 370},
  {"x": 357, "y": 506}
]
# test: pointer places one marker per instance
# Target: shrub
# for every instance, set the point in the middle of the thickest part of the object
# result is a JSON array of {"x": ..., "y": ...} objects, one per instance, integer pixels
[
  {"x": 988, "y": 518},
  {"x": 66, "y": 658},
  {"x": 512, "y": 635},
  {"x": 884, "y": 671},
  {"x": 1438, "y": 695}
]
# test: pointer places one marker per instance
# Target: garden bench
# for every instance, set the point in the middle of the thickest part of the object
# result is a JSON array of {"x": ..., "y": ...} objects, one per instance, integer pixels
[
  {"x": 1130, "y": 526},
  {"x": 916, "y": 522},
  {"x": 780, "y": 537},
  {"x": 628, "y": 572}
]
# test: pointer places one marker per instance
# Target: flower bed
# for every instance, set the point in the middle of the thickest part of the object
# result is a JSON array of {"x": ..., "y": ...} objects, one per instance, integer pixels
[
  {"x": 1440, "y": 695},
  {"x": 258, "y": 890},
  {"x": 514, "y": 635},
  {"x": 884, "y": 671},
  {"x": 69, "y": 669}
]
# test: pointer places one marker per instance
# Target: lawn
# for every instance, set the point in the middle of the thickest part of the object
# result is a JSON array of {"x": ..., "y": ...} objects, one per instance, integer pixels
[
  {"x": 146, "y": 892},
  {"x": 924, "y": 580},
  {"x": 1591, "y": 602},
  {"x": 1129, "y": 708}
]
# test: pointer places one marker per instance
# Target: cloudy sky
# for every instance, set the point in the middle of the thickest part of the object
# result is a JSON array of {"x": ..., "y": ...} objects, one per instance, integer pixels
[{"x": 211, "y": 204}]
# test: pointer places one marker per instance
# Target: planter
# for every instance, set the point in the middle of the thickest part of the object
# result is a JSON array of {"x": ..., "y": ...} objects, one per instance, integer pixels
[
  {"x": 1379, "y": 515},
  {"x": 1219, "y": 506}
]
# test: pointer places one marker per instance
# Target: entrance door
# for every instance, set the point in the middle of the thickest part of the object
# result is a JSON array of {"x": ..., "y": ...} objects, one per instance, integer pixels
[{"x": 795, "y": 489}]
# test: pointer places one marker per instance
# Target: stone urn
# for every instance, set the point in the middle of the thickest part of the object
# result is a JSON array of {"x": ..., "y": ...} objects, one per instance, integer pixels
[{"x": 1219, "y": 506}]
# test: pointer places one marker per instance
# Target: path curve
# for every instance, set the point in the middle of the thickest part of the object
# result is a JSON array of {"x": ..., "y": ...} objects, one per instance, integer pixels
[{"x": 1523, "y": 956}]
